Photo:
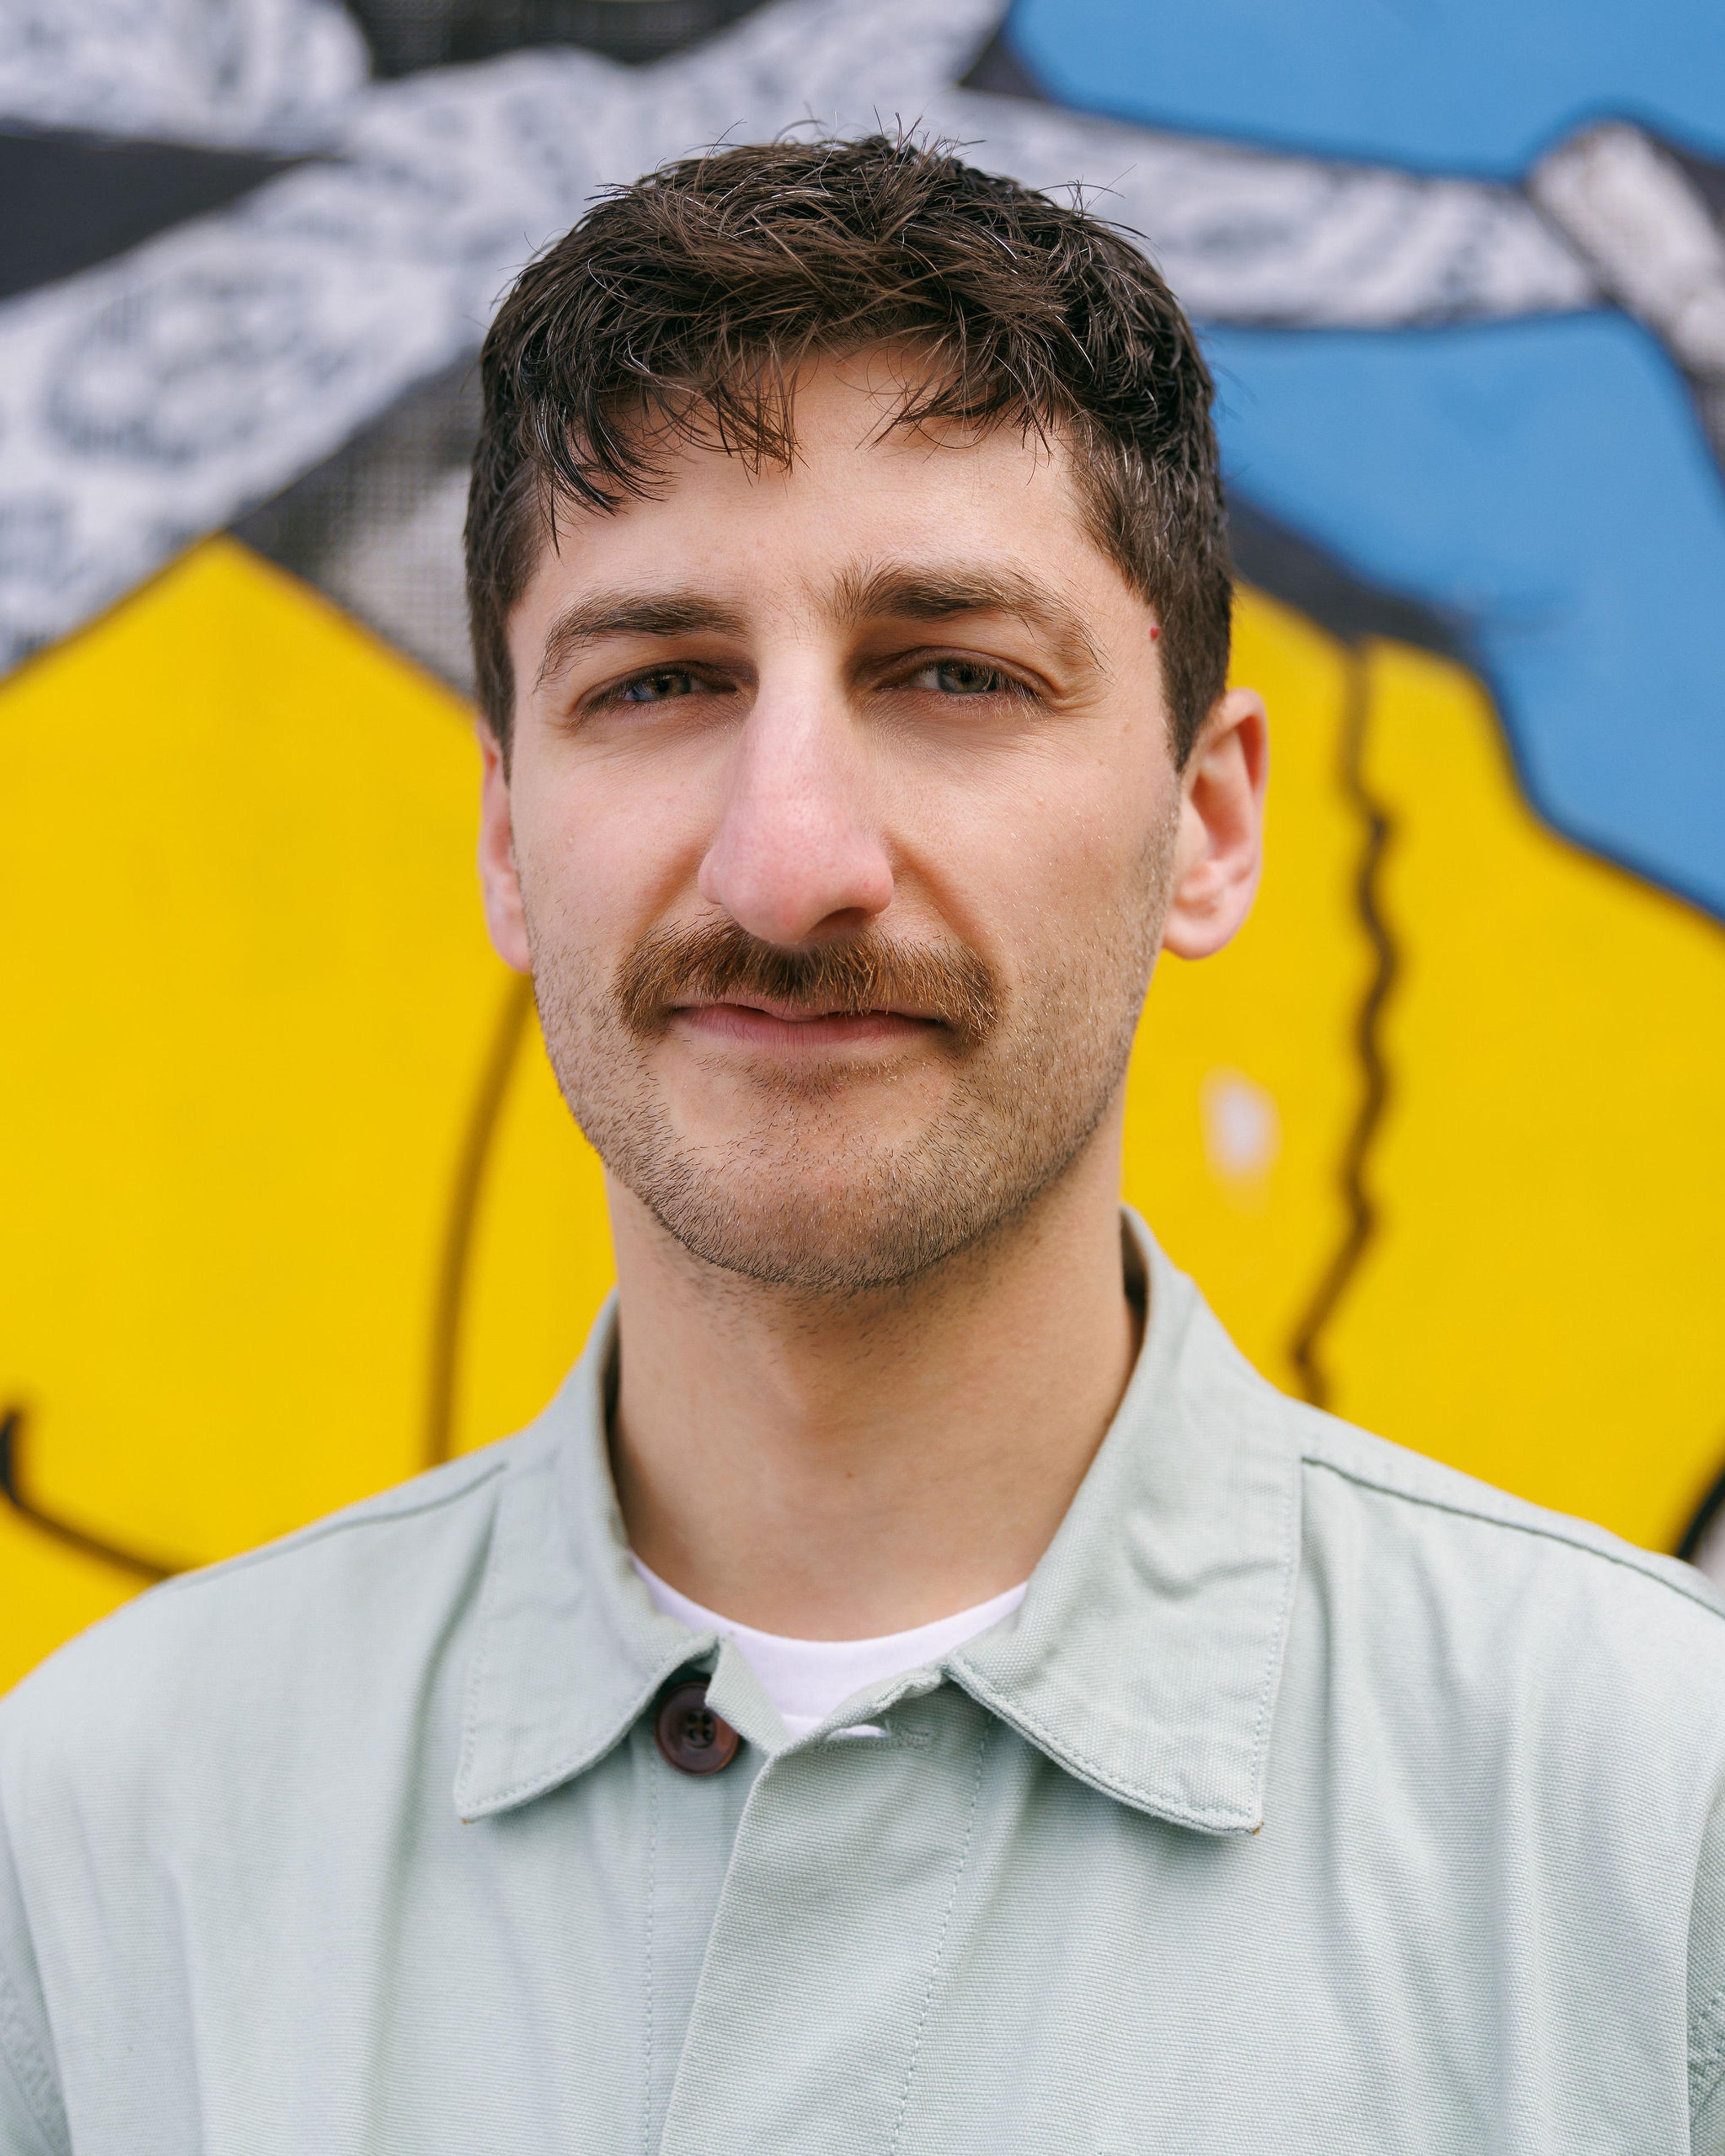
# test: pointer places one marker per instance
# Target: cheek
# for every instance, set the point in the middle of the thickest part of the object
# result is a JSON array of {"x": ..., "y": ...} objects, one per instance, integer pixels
[
  {"x": 1078, "y": 849},
  {"x": 607, "y": 860}
]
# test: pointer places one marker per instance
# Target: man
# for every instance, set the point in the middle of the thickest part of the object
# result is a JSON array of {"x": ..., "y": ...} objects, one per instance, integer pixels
[{"x": 916, "y": 1689}]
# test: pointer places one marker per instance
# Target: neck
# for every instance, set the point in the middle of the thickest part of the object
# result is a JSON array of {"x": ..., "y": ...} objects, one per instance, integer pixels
[{"x": 846, "y": 1469}]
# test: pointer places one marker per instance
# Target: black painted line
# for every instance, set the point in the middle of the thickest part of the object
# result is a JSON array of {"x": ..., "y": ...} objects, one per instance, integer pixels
[
  {"x": 64, "y": 1532},
  {"x": 455, "y": 1272},
  {"x": 1362, "y": 1214}
]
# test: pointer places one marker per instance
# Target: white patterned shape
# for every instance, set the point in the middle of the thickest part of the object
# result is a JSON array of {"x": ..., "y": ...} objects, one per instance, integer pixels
[
  {"x": 1246, "y": 236},
  {"x": 1629, "y": 207},
  {"x": 276, "y": 75},
  {"x": 159, "y": 396}
]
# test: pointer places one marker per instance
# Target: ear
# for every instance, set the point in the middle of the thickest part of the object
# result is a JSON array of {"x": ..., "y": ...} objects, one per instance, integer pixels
[
  {"x": 498, "y": 879},
  {"x": 1219, "y": 852}
]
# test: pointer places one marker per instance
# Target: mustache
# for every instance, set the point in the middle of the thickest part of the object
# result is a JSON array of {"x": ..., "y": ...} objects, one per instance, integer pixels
[{"x": 718, "y": 962}]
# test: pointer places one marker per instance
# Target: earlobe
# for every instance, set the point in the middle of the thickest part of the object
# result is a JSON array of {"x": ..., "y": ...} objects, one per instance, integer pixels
[
  {"x": 1219, "y": 852},
  {"x": 499, "y": 880}
]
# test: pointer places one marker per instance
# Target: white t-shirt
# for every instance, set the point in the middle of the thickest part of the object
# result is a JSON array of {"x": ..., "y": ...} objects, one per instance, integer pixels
[{"x": 806, "y": 1679}]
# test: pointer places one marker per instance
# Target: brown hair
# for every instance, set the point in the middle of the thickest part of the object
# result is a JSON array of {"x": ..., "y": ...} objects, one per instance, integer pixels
[{"x": 680, "y": 307}]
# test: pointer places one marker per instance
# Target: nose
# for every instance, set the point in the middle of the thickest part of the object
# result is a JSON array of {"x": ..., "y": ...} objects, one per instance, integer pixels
[{"x": 797, "y": 855}]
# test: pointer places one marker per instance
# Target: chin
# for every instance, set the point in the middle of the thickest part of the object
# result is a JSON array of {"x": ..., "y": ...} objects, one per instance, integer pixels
[
  {"x": 846, "y": 1227},
  {"x": 834, "y": 1190},
  {"x": 817, "y": 1251}
]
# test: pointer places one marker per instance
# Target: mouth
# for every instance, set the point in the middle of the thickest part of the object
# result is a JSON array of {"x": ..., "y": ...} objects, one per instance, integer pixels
[{"x": 785, "y": 1029}]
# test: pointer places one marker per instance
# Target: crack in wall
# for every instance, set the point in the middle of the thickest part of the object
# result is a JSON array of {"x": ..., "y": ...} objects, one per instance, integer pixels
[{"x": 1305, "y": 1350}]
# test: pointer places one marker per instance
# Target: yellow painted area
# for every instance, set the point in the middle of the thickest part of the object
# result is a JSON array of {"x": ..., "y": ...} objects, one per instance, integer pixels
[
  {"x": 1265, "y": 1027},
  {"x": 251, "y": 1012},
  {"x": 248, "y": 992},
  {"x": 1542, "y": 1305},
  {"x": 540, "y": 1263}
]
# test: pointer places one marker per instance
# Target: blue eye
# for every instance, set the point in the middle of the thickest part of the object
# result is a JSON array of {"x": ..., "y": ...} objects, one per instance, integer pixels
[
  {"x": 658, "y": 688},
  {"x": 964, "y": 677}
]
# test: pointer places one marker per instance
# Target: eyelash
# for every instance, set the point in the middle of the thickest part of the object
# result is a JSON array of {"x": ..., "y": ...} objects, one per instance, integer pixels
[
  {"x": 1002, "y": 683},
  {"x": 618, "y": 692}
]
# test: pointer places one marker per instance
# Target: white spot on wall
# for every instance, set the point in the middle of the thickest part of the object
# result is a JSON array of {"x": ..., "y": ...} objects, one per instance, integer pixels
[{"x": 1242, "y": 1134}]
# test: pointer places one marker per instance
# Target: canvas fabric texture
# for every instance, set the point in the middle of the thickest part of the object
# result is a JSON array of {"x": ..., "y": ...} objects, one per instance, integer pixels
[{"x": 1315, "y": 1798}]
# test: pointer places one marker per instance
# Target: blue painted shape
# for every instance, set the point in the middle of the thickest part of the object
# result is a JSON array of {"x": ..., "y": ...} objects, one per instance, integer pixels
[
  {"x": 1545, "y": 482},
  {"x": 1471, "y": 86}
]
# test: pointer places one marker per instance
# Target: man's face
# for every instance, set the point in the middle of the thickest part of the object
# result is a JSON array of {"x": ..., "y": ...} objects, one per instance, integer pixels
[{"x": 838, "y": 831}]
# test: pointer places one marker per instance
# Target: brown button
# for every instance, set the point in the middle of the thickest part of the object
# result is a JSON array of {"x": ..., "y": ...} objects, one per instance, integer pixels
[{"x": 689, "y": 1734}]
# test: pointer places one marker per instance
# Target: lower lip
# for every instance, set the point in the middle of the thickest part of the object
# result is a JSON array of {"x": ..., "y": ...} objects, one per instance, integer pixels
[{"x": 760, "y": 1030}]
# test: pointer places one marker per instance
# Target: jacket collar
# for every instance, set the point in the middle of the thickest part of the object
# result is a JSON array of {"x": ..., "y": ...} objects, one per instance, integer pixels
[
  {"x": 1144, "y": 1659},
  {"x": 1146, "y": 1655},
  {"x": 569, "y": 1649}
]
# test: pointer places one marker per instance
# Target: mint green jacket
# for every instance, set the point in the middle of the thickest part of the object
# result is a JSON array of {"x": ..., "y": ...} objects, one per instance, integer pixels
[{"x": 1317, "y": 1799}]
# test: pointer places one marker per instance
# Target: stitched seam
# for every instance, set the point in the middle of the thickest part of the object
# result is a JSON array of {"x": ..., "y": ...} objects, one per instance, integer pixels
[
  {"x": 207, "y": 1575},
  {"x": 1541, "y": 1529},
  {"x": 940, "y": 1946},
  {"x": 30, "y": 2072},
  {"x": 481, "y": 1658},
  {"x": 1707, "y": 2050},
  {"x": 1212, "y": 1817},
  {"x": 1289, "y": 1573},
  {"x": 900, "y": 1739},
  {"x": 647, "y": 1954},
  {"x": 584, "y": 1755},
  {"x": 1013, "y": 1712}
]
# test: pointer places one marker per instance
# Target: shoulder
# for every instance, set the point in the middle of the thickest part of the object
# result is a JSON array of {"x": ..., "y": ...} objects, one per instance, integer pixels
[
  {"x": 1455, "y": 1601},
  {"x": 1493, "y": 1532},
  {"x": 1486, "y": 1614},
  {"x": 1378, "y": 1508},
  {"x": 1451, "y": 1594},
  {"x": 283, "y": 1635}
]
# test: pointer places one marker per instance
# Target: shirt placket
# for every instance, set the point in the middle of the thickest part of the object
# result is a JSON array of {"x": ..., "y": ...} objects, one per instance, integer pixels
[{"x": 824, "y": 1965}]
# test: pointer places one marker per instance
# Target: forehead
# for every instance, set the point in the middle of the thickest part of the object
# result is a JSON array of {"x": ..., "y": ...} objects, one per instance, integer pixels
[{"x": 859, "y": 490}]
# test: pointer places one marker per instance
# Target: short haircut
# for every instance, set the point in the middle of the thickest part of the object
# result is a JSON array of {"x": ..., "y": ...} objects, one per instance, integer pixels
[{"x": 680, "y": 307}]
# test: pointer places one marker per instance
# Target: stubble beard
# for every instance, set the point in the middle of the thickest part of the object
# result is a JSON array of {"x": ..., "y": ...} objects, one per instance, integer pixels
[{"x": 806, "y": 1195}]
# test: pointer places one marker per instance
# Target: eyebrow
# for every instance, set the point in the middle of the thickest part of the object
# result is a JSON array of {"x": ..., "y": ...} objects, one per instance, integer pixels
[
  {"x": 905, "y": 592},
  {"x": 891, "y": 591},
  {"x": 610, "y": 614}
]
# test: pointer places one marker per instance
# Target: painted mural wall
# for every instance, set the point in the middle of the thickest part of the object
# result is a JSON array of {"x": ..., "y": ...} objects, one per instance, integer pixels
[{"x": 289, "y": 1206}]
